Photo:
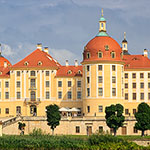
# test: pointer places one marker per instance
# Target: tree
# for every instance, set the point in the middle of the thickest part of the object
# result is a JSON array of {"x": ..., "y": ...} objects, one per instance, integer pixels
[
  {"x": 143, "y": 118},
  {"x": 53, "y": 116},
  {"x": 114, "y": 117},
  {"x": 21, "y": 127}
]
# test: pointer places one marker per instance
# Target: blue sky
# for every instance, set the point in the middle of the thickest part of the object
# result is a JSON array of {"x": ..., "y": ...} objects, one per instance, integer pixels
[{"x": 65, "y": 26}]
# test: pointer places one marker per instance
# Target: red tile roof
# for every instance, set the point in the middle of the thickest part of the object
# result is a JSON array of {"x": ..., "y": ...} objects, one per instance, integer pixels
[
  {"x": 69, "y": 71},
  {"x": 35, "y": 58},
  {"x": 99, "y": 44},
  {"x": 136, "y": 62}
]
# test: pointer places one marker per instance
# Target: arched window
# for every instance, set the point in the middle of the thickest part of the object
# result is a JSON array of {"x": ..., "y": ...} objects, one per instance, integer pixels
[
  {"x": 39, "y": 63},
  {"x": 102, "y": 25},
  {"x": 100, "y": 54},
  {"x": 18, "y": 110},
  {"x": 69, "y": 72},
  {"x": 112, "y": 54},
  {"x": 32, "y": 73},
  {"x": 88, "y": 55},
  {"x": 124, "y": 45},
  {"x": 26, "y": 63}
]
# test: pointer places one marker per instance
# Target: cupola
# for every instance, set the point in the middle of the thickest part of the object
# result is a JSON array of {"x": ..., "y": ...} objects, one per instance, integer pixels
[{"x": 125, "y": 45}]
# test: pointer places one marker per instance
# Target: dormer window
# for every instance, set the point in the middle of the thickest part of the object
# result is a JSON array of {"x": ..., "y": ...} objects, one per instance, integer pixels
[
  {"x": 26, "y": 63},
  {"x": 39, "y": 63},
  {"x": 79, "y": 71},
  {"x": 112, "y": 54},
  {"x": 106, "y": 48},
  {"x": 69, "y": 72},
  {"x": 88, "y": 55},
  {"x": 100, "y": 54},
  {"x": 0, "y": 73}
]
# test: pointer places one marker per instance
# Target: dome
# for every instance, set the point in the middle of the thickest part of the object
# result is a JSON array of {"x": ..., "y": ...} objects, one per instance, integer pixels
[
  {"x": 4, "y": 61},
  {"x": 108, "y": 48},
  {"x": 102, "y": 19}
]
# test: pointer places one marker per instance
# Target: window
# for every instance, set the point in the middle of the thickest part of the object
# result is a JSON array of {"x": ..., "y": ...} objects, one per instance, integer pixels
[
  {"x": 0, "y": 95},
  {"x": 113, "y": 68},
  {"x": 106, "y": 47},
  {"x": 32, "y": 83},
  {"x": 88, "y": 79},
  {"x": 47, "y": 83},
  {"x": 100, "y": 91},
  {"x": 18, "y": 73},
  {"x": 18, "y": 110},
  {"x": 148, "y": 84},
  {"x": 100, "y": 79},
  {"x": 134, "y": 96},
  {"x": 6, "y": 110},
  {"x": 88, "y": 68},
  {"x": 32, "y": 73},
  {"x": 100, "y": 54},
  {"x": 100, "y": 129},
  {"x": 100, "y": 108},
  {"x": 6, "y": 95},
  {"x": 148, "y": 75},
  {"x": 126, "y": 86},
  {"x": 126, "y": 111},
  {"x": 0, "y": 110},
  {"x": 135, "y": 130},
  {"x": 141, "y": 75},
  {"x": 78, "y": 94},
  {"x": 6, "y": 84},
  {"x": 59, "y": 94},
  {"x": 126, "y": 96},
  {"x": 47, "y": 73},
  {"x": 77, "y": 129},
  {"x": 113, "y": 79},
  {"x": 47, "y": 95},
  {"x": 133, "y": 75},
  {"x": 88, "y": 109},
  {"x": 88, "y": 91},
  {"x": 69, "y": 95},
  {"x": 141, "y": 85},
  {"x": 18, "y": 95},
  {"x": 148, "y": 96},
  {"x": 88, "y": 55},
  {"x": 69, "y": 83},
  {"x": 78, "y": 83},
  {"x": 133, "y": 85},
  {"x": 113, "y": 91},
  {"x": 134, "y": 111},
  {"x": 100, "y": 67},
  {"x": 142, "y": 96},
  {"x": 18, "y": 84},
  {"x": 126, "y": 75},
  {"x": 112, "y": 54},
  {"x": 59, "y": 83}
]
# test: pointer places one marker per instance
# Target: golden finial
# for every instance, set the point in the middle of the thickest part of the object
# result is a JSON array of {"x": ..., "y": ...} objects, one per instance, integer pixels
[
  {"x": 124, "y": 35},
  {"x": 102, "y": 12}
]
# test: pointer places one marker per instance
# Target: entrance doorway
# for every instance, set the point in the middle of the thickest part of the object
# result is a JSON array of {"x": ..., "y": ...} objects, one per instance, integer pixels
[
  {"x": 89, "y": 130},
  {"x": 124, "y": 130},
  {"x": 33, "y": 110}
]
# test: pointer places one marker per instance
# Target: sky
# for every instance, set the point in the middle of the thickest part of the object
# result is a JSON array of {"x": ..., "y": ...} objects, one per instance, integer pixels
[{"x": 66, "y": 26}]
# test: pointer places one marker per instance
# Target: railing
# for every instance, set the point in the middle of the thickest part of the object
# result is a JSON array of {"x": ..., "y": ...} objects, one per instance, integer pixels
[{"x": 32, "y": 101}]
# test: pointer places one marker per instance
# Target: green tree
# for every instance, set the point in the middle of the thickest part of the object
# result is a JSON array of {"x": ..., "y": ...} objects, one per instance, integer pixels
[
  {"x": 143, "y": 118},
  {"x": 114, "y": 117},
  {"x": 53, "y": 116},
  {"x": 21, "y": 127}
]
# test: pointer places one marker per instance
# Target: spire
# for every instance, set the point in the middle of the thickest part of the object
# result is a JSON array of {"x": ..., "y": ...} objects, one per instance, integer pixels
[
  {"x": 124, "y": 44},
  {"x": 102, "y": 25}
]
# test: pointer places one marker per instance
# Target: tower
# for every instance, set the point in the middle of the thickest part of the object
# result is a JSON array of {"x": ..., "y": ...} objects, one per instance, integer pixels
[{"x": 125, "y": 45}]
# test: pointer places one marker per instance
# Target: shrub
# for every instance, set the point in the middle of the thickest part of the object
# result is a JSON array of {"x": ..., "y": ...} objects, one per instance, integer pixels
[{"x": 37, "y": 132}]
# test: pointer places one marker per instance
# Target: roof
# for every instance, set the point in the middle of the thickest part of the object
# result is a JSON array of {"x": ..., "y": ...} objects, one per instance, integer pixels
[
  {"x": 102, "y": 19},
  {"x": 99, "y": 44},
  {"x": 69, "y": 71},
  {"x": 102, "y": 33},
  {"x": 136, "y": 62},
  {"x": 38, "y": 59}
]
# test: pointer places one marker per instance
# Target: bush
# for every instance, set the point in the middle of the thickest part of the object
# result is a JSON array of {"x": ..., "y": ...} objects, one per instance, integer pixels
[{"x": 37, "y": 132}]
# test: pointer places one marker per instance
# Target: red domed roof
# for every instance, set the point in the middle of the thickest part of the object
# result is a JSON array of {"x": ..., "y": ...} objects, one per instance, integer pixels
[{"x": 104, "y": 44}]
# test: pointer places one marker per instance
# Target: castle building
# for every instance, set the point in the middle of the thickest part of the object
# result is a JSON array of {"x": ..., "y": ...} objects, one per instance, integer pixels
[{"x": 108, "y": 74}]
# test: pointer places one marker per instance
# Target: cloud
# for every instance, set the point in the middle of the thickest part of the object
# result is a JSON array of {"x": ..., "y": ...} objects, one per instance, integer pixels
[
  {"x": 61, "y": 55},
  {"x": 7, "y": 50}
]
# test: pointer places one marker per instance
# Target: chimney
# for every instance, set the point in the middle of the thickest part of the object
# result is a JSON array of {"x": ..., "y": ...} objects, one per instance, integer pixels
[
  {"x": 46, "y": 50},
  {"x": 67, "y": 64},
  {"x": 39, "y": 46},
  {"x": 76, "y": 63},
  {"x": 145, "y": 53},
  {"x": 5, "y": 64}
]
